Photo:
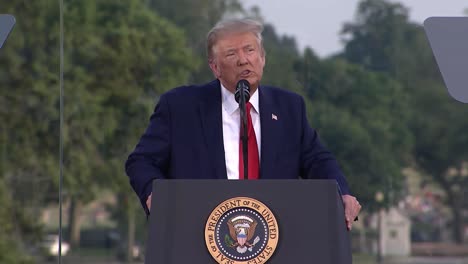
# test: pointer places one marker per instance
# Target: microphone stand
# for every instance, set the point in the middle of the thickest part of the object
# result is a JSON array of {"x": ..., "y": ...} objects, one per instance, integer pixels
[{"x": 244, "y": 133}]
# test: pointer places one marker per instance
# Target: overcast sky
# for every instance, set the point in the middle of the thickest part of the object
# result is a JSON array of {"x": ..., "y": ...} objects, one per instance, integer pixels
[{"x": 317, "y": 23}]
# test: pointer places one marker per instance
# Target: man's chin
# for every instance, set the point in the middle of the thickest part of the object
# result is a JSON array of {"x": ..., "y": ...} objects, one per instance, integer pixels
[
  {"x": 253, "y": 84},
  {"x": 253, "y": 81}
]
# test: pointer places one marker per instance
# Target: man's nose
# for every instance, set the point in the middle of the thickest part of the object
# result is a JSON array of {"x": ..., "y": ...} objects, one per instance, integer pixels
[{"x": 242, "y": 59}]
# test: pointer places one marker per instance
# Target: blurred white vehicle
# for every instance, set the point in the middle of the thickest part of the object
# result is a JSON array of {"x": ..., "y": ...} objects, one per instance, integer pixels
[{"x": 50, "y": 246}]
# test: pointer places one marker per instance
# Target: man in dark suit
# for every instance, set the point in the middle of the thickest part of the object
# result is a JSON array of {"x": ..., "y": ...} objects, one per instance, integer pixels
[{"x": 194, "y": 131}]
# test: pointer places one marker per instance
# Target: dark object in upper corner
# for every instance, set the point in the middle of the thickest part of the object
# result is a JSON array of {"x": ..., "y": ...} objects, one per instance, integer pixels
[{"x": 6, "y": 25}]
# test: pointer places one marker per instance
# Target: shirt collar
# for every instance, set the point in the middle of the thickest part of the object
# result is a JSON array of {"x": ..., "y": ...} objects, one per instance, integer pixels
[{"x": 230, "y": 104}]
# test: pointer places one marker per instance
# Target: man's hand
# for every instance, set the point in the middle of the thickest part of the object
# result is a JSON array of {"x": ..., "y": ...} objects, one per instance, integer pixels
[
  {"x": 148, "y": 202},
  {"x": 352, "y": 208}
]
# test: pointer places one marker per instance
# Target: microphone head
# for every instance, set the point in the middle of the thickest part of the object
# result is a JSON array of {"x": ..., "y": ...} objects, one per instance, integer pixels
[{"x": 242, "y": 88}]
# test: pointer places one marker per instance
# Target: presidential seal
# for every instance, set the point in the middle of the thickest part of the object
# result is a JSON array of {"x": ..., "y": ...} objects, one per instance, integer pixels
[{"x": 241, "y": 230}]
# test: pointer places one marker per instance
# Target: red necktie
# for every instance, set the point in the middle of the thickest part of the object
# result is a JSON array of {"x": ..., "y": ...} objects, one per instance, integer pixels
[{"x": 253, "y": 160}]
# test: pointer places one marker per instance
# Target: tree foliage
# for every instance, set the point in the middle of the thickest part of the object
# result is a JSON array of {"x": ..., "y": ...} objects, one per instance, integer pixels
[
  {"x": 118, "y": 57},
  {"x": 29, "y": 129},
  {"x": 382, "y": 39},
  {"x": 355, "y": 111},
  {"x": 122, "y": 55}
]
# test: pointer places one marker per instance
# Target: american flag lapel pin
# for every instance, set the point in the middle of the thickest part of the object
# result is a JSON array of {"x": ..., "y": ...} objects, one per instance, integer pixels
[{"x": 274, "y": 117}]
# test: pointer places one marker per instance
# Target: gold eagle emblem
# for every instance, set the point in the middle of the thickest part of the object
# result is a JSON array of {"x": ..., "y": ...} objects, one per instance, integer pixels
[{"x": 242, "y": 230}]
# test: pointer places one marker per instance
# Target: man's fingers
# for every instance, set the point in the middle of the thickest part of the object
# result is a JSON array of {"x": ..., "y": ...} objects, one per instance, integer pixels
[
  {"x": 148, "y": 202},
  {"x": 352, "y": 208}
]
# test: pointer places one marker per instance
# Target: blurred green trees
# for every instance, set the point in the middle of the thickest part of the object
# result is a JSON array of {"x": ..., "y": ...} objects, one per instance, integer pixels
[
  {"x": 29, "y": 125},
  {"x": 362, "y": 117},
  {"x": 118, "y": 58},
  {"x": 437, "y": 121}
]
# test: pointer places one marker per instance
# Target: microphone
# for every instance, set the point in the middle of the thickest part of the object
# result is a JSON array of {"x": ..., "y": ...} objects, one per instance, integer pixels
[
  {"x": 242, "y": 91},
  {"x": 242, "y": 96}
]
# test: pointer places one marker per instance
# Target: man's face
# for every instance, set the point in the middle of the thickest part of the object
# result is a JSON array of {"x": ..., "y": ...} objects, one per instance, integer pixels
[{"x": 236, "y": 57}]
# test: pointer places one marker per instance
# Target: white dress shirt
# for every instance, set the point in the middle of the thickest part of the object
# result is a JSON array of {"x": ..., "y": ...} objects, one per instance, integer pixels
[{"x": 231, "y": 129}]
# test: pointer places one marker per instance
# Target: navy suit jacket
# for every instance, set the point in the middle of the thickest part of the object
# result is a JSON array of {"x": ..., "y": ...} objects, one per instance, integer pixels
[{"x": 184, "y": 140}]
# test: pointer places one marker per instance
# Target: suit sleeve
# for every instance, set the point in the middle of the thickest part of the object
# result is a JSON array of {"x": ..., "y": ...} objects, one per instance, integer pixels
[
  {"x": 151, "y": 157},
  {"x": 316, "y": 161}
]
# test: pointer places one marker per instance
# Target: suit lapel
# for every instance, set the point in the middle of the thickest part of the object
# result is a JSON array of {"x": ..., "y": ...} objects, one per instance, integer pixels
[
  {"x": 211, "y": 120},
  {"x": 269, "y": 133}
]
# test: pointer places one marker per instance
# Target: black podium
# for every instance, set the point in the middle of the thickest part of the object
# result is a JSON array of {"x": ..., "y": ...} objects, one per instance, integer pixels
[{"x": 309, "y": 215}]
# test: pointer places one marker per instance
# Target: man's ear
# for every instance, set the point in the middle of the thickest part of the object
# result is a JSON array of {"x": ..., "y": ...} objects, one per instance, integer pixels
[{"x": 214, "y": 68}]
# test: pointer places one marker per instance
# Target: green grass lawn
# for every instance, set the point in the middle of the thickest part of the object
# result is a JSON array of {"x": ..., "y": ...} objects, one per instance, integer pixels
[{"x": 364, "y": 259}]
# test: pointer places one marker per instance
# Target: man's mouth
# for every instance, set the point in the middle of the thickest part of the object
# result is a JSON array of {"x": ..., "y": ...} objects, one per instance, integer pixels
[{"x": 245, "y": 73}]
